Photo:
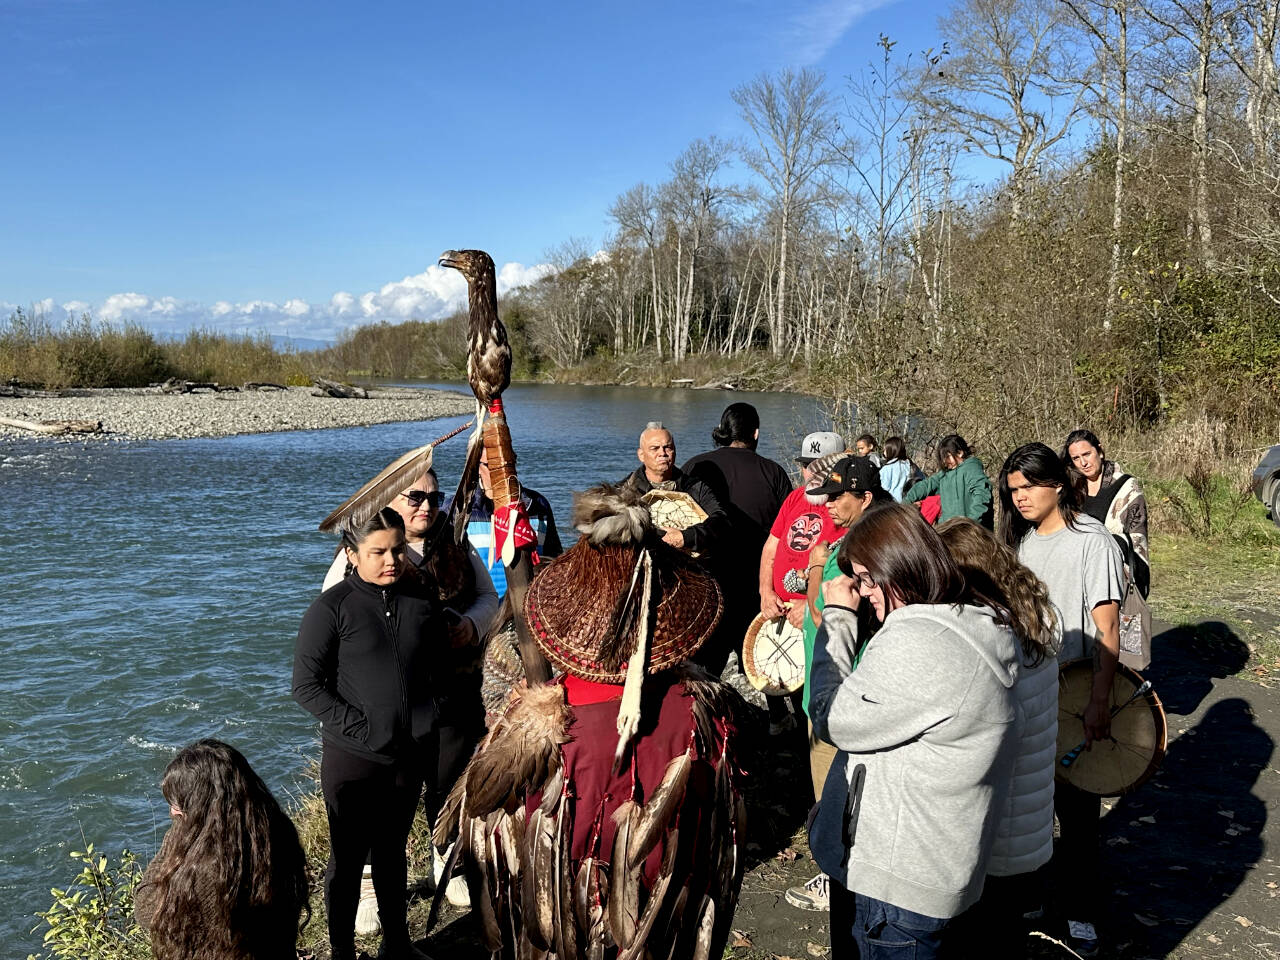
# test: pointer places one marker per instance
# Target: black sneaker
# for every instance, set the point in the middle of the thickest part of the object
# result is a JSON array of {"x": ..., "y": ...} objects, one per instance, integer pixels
[{"x": 1082, "y": 938}]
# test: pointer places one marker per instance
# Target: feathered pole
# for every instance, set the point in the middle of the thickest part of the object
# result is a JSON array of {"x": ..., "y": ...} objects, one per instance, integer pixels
[{"x": 489, "y": 374}]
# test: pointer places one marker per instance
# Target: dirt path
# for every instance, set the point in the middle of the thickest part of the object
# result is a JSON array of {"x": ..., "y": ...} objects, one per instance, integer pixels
[{"x": 1187, "y": 855}]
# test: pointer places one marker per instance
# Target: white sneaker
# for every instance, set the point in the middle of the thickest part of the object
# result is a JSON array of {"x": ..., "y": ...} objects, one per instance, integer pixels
[
  {"x": 456, "y": 892},
  {"x": 814, "y": 895},
  {"x": 367, "y": 922}
]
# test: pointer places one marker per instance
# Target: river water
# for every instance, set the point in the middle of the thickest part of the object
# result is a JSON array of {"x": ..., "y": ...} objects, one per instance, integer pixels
[{"x": 150, "y": 594}]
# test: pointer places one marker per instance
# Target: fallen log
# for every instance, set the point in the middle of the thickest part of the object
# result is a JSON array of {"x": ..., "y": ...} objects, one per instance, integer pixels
[
  {"x": 264, "y": 385},
  {"x": 54, "y": 427},
  {"x": 342, "y": 391},
  {"x": 174, "y": 385},
  {"x": 13, "y": 390}
]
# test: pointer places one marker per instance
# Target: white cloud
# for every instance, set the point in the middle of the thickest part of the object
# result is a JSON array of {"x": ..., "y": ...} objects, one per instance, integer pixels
[
  {"x": 430, "y": 295},
  {"x": 121, "y": 306},
  {"x": 814, "y": 30},
  {"x": 514, "y": 275}
]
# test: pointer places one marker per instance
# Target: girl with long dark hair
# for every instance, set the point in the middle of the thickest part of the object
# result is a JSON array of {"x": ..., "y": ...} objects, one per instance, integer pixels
[
  {"x": 365, "y": 664},
  {"x": 924, "y": 716},
  {"x": 230, "y": 879}
]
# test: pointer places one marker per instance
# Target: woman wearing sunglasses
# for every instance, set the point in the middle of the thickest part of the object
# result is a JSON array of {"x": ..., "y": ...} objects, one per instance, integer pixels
[
  {"x": 926, "y": 727},
  {"x": 368, "y": 664}
]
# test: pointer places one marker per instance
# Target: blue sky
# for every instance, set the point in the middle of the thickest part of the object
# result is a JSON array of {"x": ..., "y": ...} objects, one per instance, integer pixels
[{"x": 292, "y": 167}]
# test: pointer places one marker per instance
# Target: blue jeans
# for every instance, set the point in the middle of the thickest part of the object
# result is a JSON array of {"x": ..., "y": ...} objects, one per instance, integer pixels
[{"x": 881, "y": 931}]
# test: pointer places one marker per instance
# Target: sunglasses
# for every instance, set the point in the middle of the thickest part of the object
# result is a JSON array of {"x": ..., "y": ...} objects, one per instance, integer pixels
[{"x": 416, "y": 497}]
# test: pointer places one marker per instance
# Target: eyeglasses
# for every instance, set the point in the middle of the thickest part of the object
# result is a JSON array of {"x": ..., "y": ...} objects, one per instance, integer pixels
[
  {"x": 864, "y": 581},
  {"x": 416, "y": 497}
]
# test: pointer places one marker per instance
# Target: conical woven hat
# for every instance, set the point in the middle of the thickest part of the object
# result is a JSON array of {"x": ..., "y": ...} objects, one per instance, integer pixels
[{"x": 575, "y": 606}]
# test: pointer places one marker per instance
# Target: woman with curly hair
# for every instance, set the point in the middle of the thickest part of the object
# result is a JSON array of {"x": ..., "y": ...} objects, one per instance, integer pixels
[
  {"x": 1024, "y": 836},
  {"x": 230, "y": 880},
  {"x": 924, "y": 716}
]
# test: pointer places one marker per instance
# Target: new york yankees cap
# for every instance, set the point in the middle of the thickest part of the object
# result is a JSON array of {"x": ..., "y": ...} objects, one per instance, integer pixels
[{"x": 818, "y": 445}]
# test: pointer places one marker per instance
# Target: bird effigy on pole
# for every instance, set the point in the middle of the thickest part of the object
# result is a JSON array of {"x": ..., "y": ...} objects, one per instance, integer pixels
[{"x": 489, "y": 374}]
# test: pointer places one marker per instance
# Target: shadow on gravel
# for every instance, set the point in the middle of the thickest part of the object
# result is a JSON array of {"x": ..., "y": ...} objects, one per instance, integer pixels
[
  {"x": 1187, "y": 658},
  {"x": 1182, "y": 844}
]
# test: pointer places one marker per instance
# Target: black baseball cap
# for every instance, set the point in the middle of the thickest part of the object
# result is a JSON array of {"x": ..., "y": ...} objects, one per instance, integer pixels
[{"x": 850, "y": 475}]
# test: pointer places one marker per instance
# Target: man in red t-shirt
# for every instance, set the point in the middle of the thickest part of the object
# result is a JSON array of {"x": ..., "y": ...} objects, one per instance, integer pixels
[{"x": 785, "y": 559}]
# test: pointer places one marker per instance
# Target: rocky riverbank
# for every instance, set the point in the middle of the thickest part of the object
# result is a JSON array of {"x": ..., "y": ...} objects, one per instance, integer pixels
[{"x": 147, "y": 414}]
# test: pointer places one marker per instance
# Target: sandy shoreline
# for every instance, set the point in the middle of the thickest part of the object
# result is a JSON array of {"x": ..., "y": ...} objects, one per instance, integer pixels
[{"x": 147, "y": 414}]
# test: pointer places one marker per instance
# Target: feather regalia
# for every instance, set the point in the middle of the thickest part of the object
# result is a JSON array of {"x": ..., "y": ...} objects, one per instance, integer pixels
[{"x": 556, "y": 872}]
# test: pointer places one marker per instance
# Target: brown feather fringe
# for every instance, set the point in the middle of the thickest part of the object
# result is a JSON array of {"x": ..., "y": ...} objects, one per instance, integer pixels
[
  {"x": 382, "y": 489},
  {"x": 522, "y": 750},
  {"x": 659, "y": 810},
  {"x": 623, "y": 908},
  {"x": 706, "y": 924},
  {"x": 538, "y": 882}
]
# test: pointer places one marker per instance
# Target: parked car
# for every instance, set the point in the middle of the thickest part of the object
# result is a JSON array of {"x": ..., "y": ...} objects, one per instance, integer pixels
[{"x": 1266, "y": 482}]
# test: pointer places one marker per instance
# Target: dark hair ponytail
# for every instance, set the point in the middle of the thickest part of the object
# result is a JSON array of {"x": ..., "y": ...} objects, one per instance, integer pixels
[
  {"x": 352, "y": 537},
  {"x": 738, "y": 424}
]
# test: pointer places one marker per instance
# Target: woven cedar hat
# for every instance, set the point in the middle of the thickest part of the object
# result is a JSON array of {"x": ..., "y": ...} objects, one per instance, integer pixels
[{"x": 584, "y": 608}]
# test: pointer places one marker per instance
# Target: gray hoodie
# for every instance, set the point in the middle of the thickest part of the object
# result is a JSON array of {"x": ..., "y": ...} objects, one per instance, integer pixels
[{"x": 927, "y": 728}]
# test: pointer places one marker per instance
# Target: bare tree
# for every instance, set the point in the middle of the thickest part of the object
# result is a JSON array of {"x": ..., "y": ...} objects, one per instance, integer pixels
[
  {"x": 636, "y": 214},
  {"x": 883, "y": 144},
  {"x": 1250, "y": 35},
  {"x": 1106, "y": 23},
  {"x": 789, "y": 116},
  {"x": 1197, "y": 26},
  {"x": 1011, "y": 87},
  {"x": 692, "y": 198}
]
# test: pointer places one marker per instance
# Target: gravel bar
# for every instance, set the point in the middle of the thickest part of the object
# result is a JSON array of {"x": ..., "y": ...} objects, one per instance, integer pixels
[{"x": 147, "y": 414}]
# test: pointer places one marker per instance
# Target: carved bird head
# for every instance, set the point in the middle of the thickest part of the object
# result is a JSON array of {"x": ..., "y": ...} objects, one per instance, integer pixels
[{"x": 474, "y": 265}]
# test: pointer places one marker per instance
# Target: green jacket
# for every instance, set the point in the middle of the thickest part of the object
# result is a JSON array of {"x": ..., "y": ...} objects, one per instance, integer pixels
[{"x": 965, "y": 492}]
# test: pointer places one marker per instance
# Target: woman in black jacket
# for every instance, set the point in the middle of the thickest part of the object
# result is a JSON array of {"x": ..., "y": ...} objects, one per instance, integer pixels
[{"x": 363, "y": 665}]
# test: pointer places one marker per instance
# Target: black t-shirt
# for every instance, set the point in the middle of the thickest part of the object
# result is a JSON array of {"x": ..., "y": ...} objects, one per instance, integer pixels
[{"x": 752, "y": 489}]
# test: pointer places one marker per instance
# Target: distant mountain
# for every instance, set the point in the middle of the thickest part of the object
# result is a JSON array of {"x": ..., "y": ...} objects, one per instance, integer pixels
[{"x": 298, "y": 343}]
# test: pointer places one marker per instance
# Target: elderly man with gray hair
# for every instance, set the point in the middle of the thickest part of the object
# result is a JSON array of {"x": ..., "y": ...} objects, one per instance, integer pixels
[{"x": 658, "y": 471}]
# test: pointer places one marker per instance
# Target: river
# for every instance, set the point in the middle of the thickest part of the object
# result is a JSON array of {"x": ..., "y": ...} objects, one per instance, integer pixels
[{"x": 151, "y": 593}]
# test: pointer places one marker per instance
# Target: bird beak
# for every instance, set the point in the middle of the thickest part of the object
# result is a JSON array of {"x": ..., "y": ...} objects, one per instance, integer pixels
[{"x": 449, "y": 259}]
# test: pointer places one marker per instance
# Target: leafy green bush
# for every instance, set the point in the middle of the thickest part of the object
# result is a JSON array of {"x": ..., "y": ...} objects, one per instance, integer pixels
[{"x": 93, "y": 918}]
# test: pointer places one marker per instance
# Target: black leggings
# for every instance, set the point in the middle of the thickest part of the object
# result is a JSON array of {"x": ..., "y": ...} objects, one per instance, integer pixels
[
  {"x": 370, "y": 807},
  {"x": 450, "y": 750}
]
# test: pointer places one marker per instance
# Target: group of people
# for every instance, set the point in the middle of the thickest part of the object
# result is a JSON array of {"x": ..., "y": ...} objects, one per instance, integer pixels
[{"x": 930, "y": 703}]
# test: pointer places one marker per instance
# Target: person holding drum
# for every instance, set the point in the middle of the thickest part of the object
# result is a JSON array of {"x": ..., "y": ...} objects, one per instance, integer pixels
[
  {"x": 1083, "y": 569},
  {"x": 852, "y": 485},
  {"x": 925, "y": 716},
  {"x": 784, "y": 560},
  {"x": 658, "y": 471}
]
